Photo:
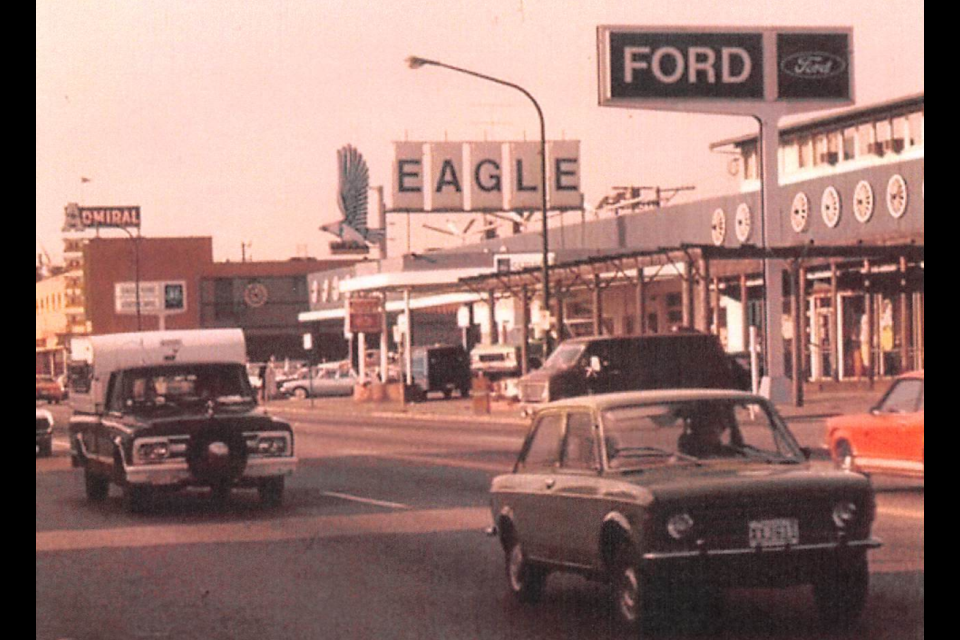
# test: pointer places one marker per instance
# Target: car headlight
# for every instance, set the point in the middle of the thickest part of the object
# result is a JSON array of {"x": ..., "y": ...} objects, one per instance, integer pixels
[
  {"x": 679, "y": 526},
  {"x": 271, "y": 445},
  {"x": 152, "y": 451},
  {"x": 844, "y": 513}
]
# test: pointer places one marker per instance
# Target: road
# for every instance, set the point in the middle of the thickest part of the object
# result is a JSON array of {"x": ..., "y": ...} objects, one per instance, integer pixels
[{"x": 380, "y": 536}]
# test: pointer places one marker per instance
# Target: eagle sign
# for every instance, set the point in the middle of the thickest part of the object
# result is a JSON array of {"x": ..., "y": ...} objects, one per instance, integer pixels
[{"x": 354, "y": 182}]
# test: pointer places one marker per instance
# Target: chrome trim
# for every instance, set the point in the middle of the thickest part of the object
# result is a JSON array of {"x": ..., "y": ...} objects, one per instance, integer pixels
[
  {"x": 177, "y": 472},
  {"x": 869, "y": 543}
]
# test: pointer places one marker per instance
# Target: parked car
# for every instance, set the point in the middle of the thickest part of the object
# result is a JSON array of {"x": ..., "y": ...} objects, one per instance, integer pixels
[
  {"x": 672, "y": 493},
  {"x": 50, "y": 389},
  {"x": 495, "y": 361},
  {"x": 584, "y": 366},
  {"x": 328, "y": 380},
  {"x": 441, "y": 368},
  {"x": 44, "y": 433},
  {"x": 164, "y": 410},
  {"x": 888, "y": 439}
]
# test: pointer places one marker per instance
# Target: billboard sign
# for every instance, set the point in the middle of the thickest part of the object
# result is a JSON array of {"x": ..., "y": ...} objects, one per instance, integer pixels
[
  {"x": 484, "y": 176},
  {"x": 79, "y": 218},
  {"x": 724, "y": 70},
  {"x": 156, "y": 298}
]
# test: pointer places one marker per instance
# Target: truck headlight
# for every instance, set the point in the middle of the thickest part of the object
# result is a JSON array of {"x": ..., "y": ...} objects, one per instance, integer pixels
[
  {"x": 271, "y": 445},
  {"x": 679, "y": 526},
  {"x": 844, "y": 513},
  {"x": 152, "y": 451}
]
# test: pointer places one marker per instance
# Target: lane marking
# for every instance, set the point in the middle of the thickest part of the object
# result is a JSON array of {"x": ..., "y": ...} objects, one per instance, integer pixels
[
  {"x": 379, "y": 503},
  {"x": 286, "y": 529}
]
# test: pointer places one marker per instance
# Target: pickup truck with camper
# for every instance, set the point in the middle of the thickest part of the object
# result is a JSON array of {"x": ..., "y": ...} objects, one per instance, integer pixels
[{"x": 166, "y": 410}]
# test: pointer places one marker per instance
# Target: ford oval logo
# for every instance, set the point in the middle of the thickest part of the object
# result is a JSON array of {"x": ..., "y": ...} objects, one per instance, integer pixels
[{"x": 813, "y": 65}]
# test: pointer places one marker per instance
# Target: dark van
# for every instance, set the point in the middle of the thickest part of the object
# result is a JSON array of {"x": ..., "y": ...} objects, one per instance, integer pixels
[
  {"x": 441, "y": 368},
  {"x": 585, "y": 366}
]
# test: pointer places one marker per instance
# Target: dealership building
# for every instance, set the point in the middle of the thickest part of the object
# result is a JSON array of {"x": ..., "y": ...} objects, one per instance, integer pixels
[{"x": 848, "y": 240}]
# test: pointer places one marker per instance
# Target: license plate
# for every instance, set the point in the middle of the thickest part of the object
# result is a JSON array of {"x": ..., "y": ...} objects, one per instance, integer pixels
[{"x": 774, "y": 533}]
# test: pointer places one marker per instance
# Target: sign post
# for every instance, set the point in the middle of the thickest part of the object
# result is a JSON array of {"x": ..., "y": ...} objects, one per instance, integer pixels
[{"x": 764, "y": 73}]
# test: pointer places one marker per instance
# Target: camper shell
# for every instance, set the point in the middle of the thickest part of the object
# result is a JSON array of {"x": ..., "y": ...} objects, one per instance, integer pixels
[{"x": 171, "y": 409}]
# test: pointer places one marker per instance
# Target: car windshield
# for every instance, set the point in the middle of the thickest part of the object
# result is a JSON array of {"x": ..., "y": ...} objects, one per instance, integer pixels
[
  {"x": 564, "y": 356},
  {"x": 696, "y": 431},
  {"x": 187, "y": 387}
]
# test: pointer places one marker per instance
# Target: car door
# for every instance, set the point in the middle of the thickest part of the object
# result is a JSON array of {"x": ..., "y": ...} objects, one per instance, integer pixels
[
  {"x": 578, "y": 513},
  {"x": 888, "y": 434},
  {"x": 534, "y": 500}
]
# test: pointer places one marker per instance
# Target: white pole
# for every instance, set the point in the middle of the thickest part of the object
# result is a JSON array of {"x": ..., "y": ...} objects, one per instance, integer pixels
[{"x": 407, "y": 347}]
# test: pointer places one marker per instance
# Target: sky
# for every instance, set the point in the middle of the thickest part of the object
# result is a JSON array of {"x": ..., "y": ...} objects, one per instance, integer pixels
[{"x": 223, "y": 118}]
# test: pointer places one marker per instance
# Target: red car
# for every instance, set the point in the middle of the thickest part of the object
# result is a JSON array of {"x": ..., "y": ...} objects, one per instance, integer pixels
[
  {"x": 889, "y": 439},
  {"x": 50, "y": 389}
]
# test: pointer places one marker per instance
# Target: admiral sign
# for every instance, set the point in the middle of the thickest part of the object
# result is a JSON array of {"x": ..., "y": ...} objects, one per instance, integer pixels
[
  {"x": 699, "y": 69},
  {"x": 80, "y": 218}
]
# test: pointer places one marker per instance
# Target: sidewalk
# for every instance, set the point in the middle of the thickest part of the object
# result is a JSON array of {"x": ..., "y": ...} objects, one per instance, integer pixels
[{"x": 820, "y": 402}]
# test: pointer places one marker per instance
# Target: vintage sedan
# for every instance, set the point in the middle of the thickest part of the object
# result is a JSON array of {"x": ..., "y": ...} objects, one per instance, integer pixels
[
  {"x": 331, "y": 380},
  {"x": 44, "y": 433},
  {"x": 888, "y": 439},
  {"x": 167, "y": 410},
  {"x": 680, "y": 491}
]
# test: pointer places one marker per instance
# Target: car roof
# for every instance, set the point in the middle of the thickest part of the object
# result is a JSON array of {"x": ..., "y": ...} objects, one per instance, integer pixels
[
  {"x": 602, "y": 402},
  {"x": 43, "y": 413},
  {"x": 913, "y": 375}
]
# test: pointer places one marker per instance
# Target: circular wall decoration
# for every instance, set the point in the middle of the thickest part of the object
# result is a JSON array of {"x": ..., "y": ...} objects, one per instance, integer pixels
[
  {"x": 897, "y": 196},
  {"x": 255, "y": 295},
  {"x": 743, "y": 222},
  {"x": 863, "y": 201},
  {"x": 799, "y": 212},
  {"x": 830, "y": 207},
  {"x": 718, "y": 227}
]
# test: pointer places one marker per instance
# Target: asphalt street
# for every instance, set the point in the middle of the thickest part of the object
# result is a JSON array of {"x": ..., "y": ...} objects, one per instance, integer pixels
[{"x": 380, "y": 536}]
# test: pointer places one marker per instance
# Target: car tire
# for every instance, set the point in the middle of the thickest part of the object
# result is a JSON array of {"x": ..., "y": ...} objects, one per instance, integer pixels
[
  {"x": 629, "y": 592},
  {"x": 300, "y": 393},
  {"x": 96, "y": 486},
  {"x": 840, "y": 592},
  {"x": 525, "y": 580},
  {"x": 270, "y": 491}
]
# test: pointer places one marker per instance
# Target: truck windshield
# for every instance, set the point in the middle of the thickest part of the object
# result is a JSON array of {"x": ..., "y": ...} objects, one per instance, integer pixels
[
  {"x": 183, "y": 386},
  {"x": 565, "y": 356}
]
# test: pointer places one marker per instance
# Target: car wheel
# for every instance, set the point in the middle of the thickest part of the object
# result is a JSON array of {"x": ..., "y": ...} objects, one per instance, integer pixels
[
  {"x": 97, "y": 486},
  {"x": 300, "y": 393},
  {"x": 843, "y": 456},
  {"x": 525, "y": 580},
  {"x": 271, "y": 491},
  {"x": 629, "y": 599},
  {"x": 841, "y": 592}
]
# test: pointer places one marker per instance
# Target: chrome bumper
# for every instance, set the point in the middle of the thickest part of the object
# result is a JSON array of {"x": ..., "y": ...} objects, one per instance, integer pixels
[
  {"x": 869, "y": 543},
  {"x": 178, "y": 473}
]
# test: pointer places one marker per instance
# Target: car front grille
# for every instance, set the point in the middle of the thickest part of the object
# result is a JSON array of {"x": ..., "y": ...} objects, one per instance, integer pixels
[{"x": 727, "y": 526}]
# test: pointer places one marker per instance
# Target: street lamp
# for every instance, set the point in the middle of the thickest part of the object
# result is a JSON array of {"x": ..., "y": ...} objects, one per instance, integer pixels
[
  {"x": 415, "y": 62},
  {"x": 136, "y": 268}
]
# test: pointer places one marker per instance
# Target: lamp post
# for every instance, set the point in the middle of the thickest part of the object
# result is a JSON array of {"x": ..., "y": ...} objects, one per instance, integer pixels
[
  {"x": 415, "y": 63},
  {"x": 136, "y": 268}
]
